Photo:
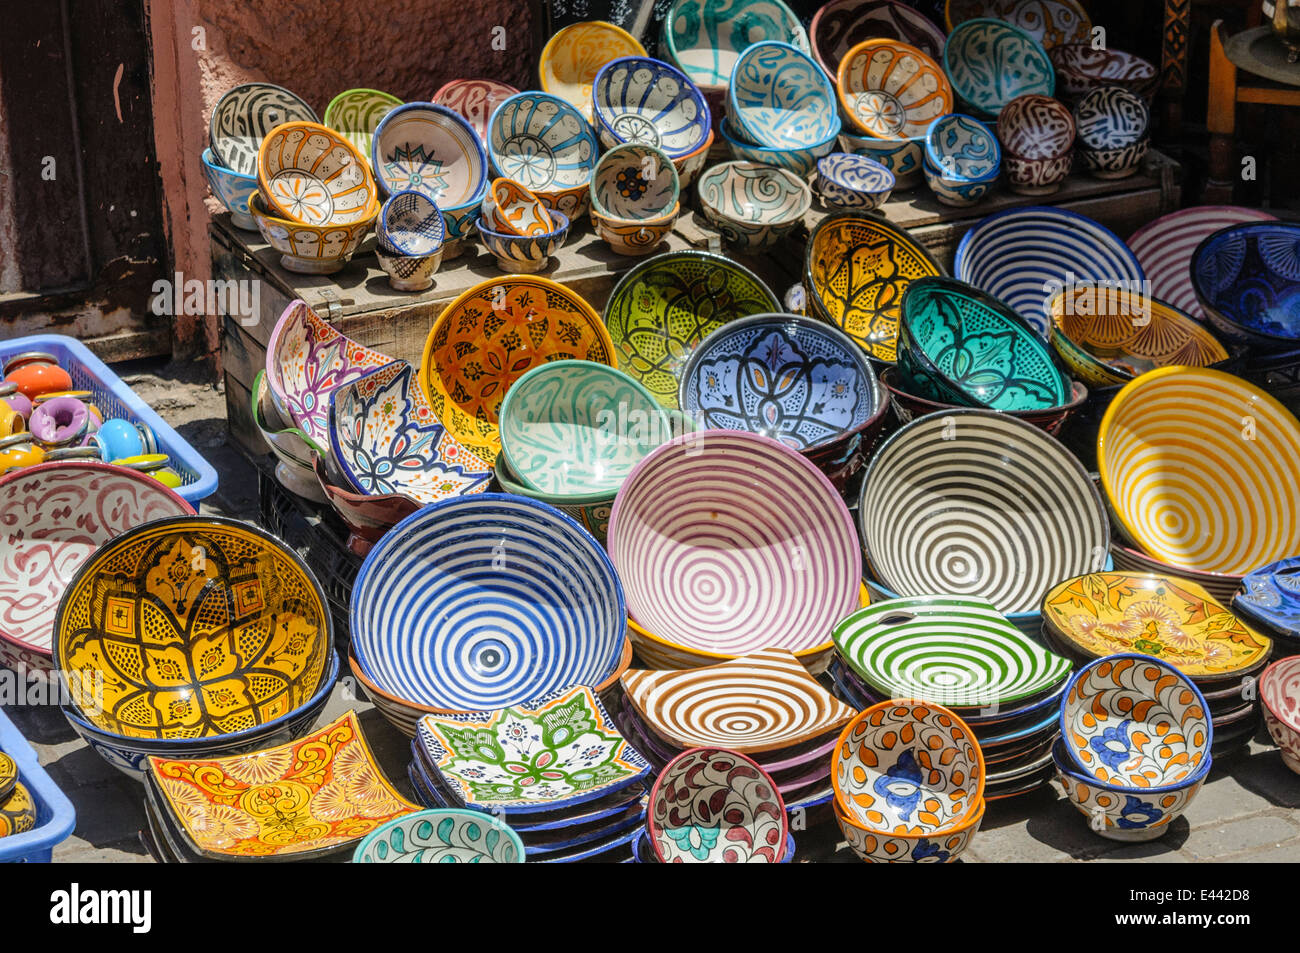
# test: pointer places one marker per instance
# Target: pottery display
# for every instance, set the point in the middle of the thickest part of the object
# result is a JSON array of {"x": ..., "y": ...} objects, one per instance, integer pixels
[
  {"x": 902, "y": 157},
  {"x": 640, "y": 100},
  {"x": 1112, "y": 127},
  {"x": 1081, "y": 67},
  {"x": 308, "y": 249},
  {"x": 475, "y": 99},
  {"x": 890, "y": 90},
  {"x": 847, "y": 181},
  {"x": 780, "y": 98},
  {"x": 356, "y": 113},
  {"x": 704, "y": 38},
  {"x": 1247, "y": 280},
  {"x": 431, "y": 149},
  {"x": 754, "y": 206},
  {"x": 441, "y": 836},
  {"x": 232, "y": 189},
  {"x": 574, "y": 55},
  {"x": 799, "y": 160},
  {"x": 1279, "y": 695},
  {"x": 990, "y": 63},
  {"x": 840, "y": 25},
  {"x": 244, "y": 115}
]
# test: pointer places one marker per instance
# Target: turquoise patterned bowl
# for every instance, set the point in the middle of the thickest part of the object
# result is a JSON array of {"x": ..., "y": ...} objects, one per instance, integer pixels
[
  {"x": 958, "y": 345},
  {"x": 962, "y": 149},
  {"x": 441, "y": 836},
  {"x": 753, "y": 205},
  {"x": 634, "y": 182},
  {"x": 578, "y": 427},
  {"x": 232, "y": 189},
  {"x": 903, "y": 157},
  {"x": 990, "y": 63},
  {"x": 706, "y": 37},
  {"x": 801, "y": 161},
  {"x": 779, "y": 97}
]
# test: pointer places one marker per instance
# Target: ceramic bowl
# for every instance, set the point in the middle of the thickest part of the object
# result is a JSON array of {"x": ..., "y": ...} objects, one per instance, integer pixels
[
  {"x": 1246, "y": 279},
  {"x": 309, "y": 173},
  {"x": 635, "y": 237},
  {"x": 356, "y": 113},
  {"x": 662, "y": 309},
  {"x": 1107, "y": 339},
  {"x": 308, "y": 249},
  {"x": 954, "y": 192},
  {"x": 1112, "y": 129},
  {"x": 840, "y": 25},
  {"x": 590, "y": 511},
  {"x": 908, "y": 768},
  {"x": 876, "y": 847},
  {"x": 1221, "y": 586},
  {"x": 577, "y": 427},
  {"x": 962, "y": 150},
  {"x": 542, "y": 142},
  {"x": 484, "y": 602},
  {"x": 908, "y": 406},
  {"x": 801, "y": 161},
  {"x": 972, "y": 502},
  {"x": 573, "y": 203},
  {"x": 475, "y": 100},
  {"x": 488, "y": 337},
  {"x": 891, "y": 90},
  {"x": 1022, "y": 255},
  {"x": 754, "y": 206},
  {"x": 574, "y": 56},
  {"x": 1132, "y": 721},
  {"x": 635, "y": 183},
  {"x": 244, "y": 115},
  {"x": 1183, "y": 482},
  {"x": 410, "y": 223},
  {"x": 902, "y": 157},
  {"x": 517, "y": 255},
  {"x": 367, "y": 517},
  {"x": 387, "y": 440},
  {"x": 1034, "y": 126},
  {"x": 689, "y": 166},
  {"x": 710, "y": 805},
  {"x": 409, "y": 272},
  {"x": 779, "y": 97},
  {"x": 736, "y": 597},
  {"x": 1080, "y": 68},
  {"x": 943, "y": 350},
  {"x": 1270, "y": 599},
  {"x": 431, "y": 149},
  {"x": 847, "y": 181},
  {"x": 56, "y": 516},
  {"x": 856, "y": 268},
  {"x": 640, "y": 100},
  {"x": 293, "y": 449},
  {"x": 1050, "y": 22},
  {"x": 990, "y": 63},
  {"x": 1279, "y": 693},
  {"x": 705, "y": 40},
  {"x": 231, "y": 189},
  {"x": 441, "y": 836},
  {"x": 510, "y": 209}
]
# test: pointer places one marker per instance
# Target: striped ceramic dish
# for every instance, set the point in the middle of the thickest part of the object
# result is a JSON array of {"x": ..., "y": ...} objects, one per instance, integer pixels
[{"x": 1199, "y": 467}]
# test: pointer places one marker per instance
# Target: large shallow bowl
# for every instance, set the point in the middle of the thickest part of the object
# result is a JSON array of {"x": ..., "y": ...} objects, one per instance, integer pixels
[
  {"x": 244, "y": 115},
  {"x": 312, "y": 174},
  {"x": 1021, "y": 256},
  {"x": 662, "y": 309},
  {"x": 1279, "y": 695},
  {"x": 231, "y": 189},
  {"x": 718, "y": 570},
  {"x": 441, "y": 836},
  {"x": 56, "y": 515},
  {"x": 840, "y": 25},
  {"x": 355, "y": 115},
  {"x": 801, "y": 161},
  {"x": 909, "y": 406},
  {"x": 902, "y": 157},
  {"x": 307, "y": 249},
  {"x": 635, "y": 182},
  {"x": 431, "y": 149},
  {"x": 856, "y": 268},
  {"x": 641, "y": 100},
  {"x": 754, "y": 206},
  {"x": 484, "y": 602},
  {"x": 542, "y": 142},
  {"x": 1081, "y": 68},
  {"x": 779, "y": 97},
  {"x": 705, "y": 38},
  {"x": 475, "y": 99},
  {"x": 1247, "y": 278},
  {"x": 972, "y": 502},
  {"x": 572, "y": 58},
  {"x": 489, "y": 336},
  {"x": 990, "y": 63},
  {"x": 890, "y": 90},
  {"x": 1198, "y": 466}
]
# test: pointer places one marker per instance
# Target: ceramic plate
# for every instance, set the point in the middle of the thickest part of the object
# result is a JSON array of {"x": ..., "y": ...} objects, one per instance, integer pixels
[
  {"x": 991, "y": 62},
  {"x": 475, "y": 100},
  {"x": 892, "y": 90},
  {"x": 244, "y": 115},
  {"x": 542, "y": 142},
  {"x": 431, "y": 149},
  {"x": 840, "y": 25},
  {"x": 779, "y": 97},
  {"x": 704, "y": 38},
  {"x": 355, "y": 113},
  {"x": 575, "y": 54}
]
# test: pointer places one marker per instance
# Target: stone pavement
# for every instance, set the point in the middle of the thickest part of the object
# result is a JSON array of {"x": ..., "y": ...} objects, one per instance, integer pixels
[{"x": 1247, "y": 811}]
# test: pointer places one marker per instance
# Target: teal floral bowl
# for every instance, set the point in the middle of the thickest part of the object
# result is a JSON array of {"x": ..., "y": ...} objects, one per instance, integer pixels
[
  {"x": 441, "y": 836},
  {"x": 958, "y": 345},
  {"x": 578, "y": 427}
]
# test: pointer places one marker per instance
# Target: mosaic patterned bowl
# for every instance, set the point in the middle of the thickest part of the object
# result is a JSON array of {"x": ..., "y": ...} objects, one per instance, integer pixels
[
  {"x": 801, "y": 161},
  {"x": 1112, "y": 126},
  {"x": 441, "y": 836},
  {"x": 307, "y": 249},
  {"x": 847, "y": 181},
  {"x": 909, "y": 406},
  {"x": 1080, "y": 69},
  {"x": 387, "y": 440},
  {"x": 526, "y": 255},
  {"x": 715, "y": 806},
  {"x": 635, "y": 182},
  {"x": 431, "y": 149},
  {"x": 640, "y": 100},
  {"x": 410, "y": 224},
  {"x": 542, "y": 142},
  {"x": 311, "y": 174},
  {"x": 488, "y": 337},
  {"x": 231, "y": 189},
  {"x": 662, "y": 309},
  {"x": 754, "y": 206},
  {"x": 856, "y": 268},
  {"x": 1270, "y": 599},
  {"x": 1247, "y": 278},
  {"x": 355, "y": 114},
  {"x": 779, "y": 97},
  {"x": 574, "y": 56},
  {"x": 890, "y": 90},
  {"x": 903, "y": 157},
  {"x": 484, "y": 602},
  {"x": 991, "y": 62},
  {"x": 475, "y": 100},
  {"x": 1279, "y": 694},
  {"x": 1132, "y": 721},
  {"x": 705, "y": 39},
  {"x": 840, "y": 25},
  {"x": 1133, "y": 814},
  {"x": 244, "y": 115}
]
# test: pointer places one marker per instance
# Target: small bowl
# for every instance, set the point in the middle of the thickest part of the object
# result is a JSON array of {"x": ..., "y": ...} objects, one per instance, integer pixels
[
  {"x": 542, "y": 142},
  {"x": 410, "y": 272},
  {"x": 990, "y": 63},
  {"x": 1249, "y": 289},
  {"x": 1036, "y": 128},
  {"x": 640, "y": 100},
  {"x": 519, "y": 255},
  {"x": 1112, "y": 125},
  {"x": 962, "y": 150},
  {"x": 510, "y": 209},
  {"x": 709, "y": 805},
  {"x": 356, "y": 113},
  {"x": 909, "y": 406},
  {"x": 475, "y": 100},
  {"x": 635, "y": 237},
  {"x": 1081, "y": 68},
  {"x": 634, "y": 182},
  {"x": 1036, "y": 176},
  {"x": 441, "y": 836},
  {"x": 308, "y": 249},
  {"x": 840, "y": 25},
  {"x": 876, "y": 847},
  {"x": 1279, "y": 693},
  {"x": 705, "y": 41},
  {"x": 846, "y": 181},
  {"x": 689, "y": 166},
  {"x": 243, "y": 117},
  {"x": 231, "y": 189},
  {"x": 431, "y": 149},
  {"x": 954, "y": 192},
  {"x": 309, "y": 173},
  {"x": 574, "y": 55},
  {"x": 573, "y": 203},
  {"x": 410, "y": 223},
  {"x": 801, "y": 161},
  {"x": 903, "y": 157},
  {"x": 891, "y": 90},
  {"x": 779, "y": 97},
  {"x": 754, "y": 206}
]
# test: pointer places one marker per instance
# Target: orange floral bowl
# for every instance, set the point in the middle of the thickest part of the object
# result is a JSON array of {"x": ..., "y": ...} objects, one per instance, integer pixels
[
  {"x": 942, "y": 847},
  {"x": 193, "y": 636},
  {"x": 311, "y": 174}
]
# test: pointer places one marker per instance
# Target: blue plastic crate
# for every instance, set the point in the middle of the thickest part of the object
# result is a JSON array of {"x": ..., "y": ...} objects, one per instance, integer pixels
[
  {"x": 115, "y": 399},
  {"x": 55, "y": 816}
]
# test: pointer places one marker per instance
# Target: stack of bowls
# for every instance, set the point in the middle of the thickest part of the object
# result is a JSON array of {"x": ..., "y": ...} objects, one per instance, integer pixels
[
  {"x": 545, "y": 144},
  {"x": 1113, "y": 126},
  {"x": 635, "y": 198},
  {"x": 909, "y": 784},
  {"x": 1134, "y": 747},
  {"x": 962, "y": 160},
  {"x": 1037, "y": 135},
  {"x": 518, "y": 228},
  {"x": 1279, "y": 692},
  {"x": 753, "y": 206},
  {"x": 1270, "y": 601},
  {"x": 411, "y": 231}
]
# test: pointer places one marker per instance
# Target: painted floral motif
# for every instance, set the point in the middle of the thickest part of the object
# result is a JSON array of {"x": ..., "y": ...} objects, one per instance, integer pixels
[
  {"x": 442, "y": 837},
  {"x": 892, "y": 90}
]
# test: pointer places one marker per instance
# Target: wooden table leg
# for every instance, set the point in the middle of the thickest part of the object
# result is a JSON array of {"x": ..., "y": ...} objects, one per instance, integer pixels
[
  {"x": 1173, "y": 66},
  {"x": 1221, "y": 119}
]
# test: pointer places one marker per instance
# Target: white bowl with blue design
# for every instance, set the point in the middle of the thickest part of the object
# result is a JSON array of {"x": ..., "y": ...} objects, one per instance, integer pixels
[
  {"x": 431, "y": 149},
  {"x": 525, "y": 254},
  {"x": 1113, "y": 126},
  {"x": 231, "y": 189},
  {"x": 845, "y": 181},
  {"x": 903, "y": 157},
  {"x": 441, "y": 836},
  {"x": 781, "y": 99},
  {"x": 410, "y": 223},
  {"x": 542, "y": 142},
  {"x": 800, "y": 161},
  {"x": 753, "y": 205},
  {"x": 641, "y": 100},
  {"x": 962, "y": 149}
]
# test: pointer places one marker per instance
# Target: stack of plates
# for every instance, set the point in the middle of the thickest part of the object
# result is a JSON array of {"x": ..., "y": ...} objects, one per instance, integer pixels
[
  {"x": 1175, "y": 620},
  {"x": 765, "y": 706},
  {"x": 557, "y": 770},
  {"x": 963, "y": 654}
]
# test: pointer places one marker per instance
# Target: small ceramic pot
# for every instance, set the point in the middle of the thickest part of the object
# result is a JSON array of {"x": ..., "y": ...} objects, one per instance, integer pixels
[
  {"x": 16, "y": 401},
  {"x": 117, "y": 439},
  {"x": 511, "y": 209},
  {"x": 525, "y": 255},
  {"x": 1036, "y": 176},
  {"x": 903, "y": 157},
  {"x": 35, "y": 373},
  {"x": 845, "y": 181},
  {"x": 1114, "y": 163},
  {"x": 632, "y": 237},
  {"x": 1112, "y": 126},
  {"x": 409, "y": 272},
  {"x": 410, "y": 223},
  {"x": 61, "y": 422},
  {"x": 754, "y": 206}
]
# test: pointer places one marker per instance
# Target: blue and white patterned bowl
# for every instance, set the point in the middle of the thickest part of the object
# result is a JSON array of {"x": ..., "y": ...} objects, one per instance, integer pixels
[
  {"x": 231, "y": 189},
  {"x": 800, "y": 161},
  {"x": 1022, "y": 256},
  {"x": 431, "y": 149},
  {"x": 542, "y": 142},
  {"x": 483, "y": 602},
  {"x": 641, "y": 100},
  {"x": 848, "y": 181},
  {"x": 990, "y": 63},
  {"x": 753, "y": 205},
  {"x": 903, "y": 157},
  {"x": 955, "y": 192},
  {"x": 1247, "y": 278},
  {"x": 410, "y": 223},
  {"x": 1270, "y": 599},
  {"x": 961, "y": 150},
  {"x": 441, "y": 836},
  {"x": 635, "y": 181},
  {"x": 780, "y": 98},
  {"x": 525, "y": 254},
  {"x": 705, "y": 37}
]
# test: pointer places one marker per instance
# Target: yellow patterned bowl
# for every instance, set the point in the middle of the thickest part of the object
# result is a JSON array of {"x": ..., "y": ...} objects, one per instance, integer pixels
[
  {"x": 489, "y": 336},
  {"x": 570, "y": 61},
  {"x": 311, "y": 174},
  {"x": 1106, "y": 337},
  {"x": 1200, "y": 468}
]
